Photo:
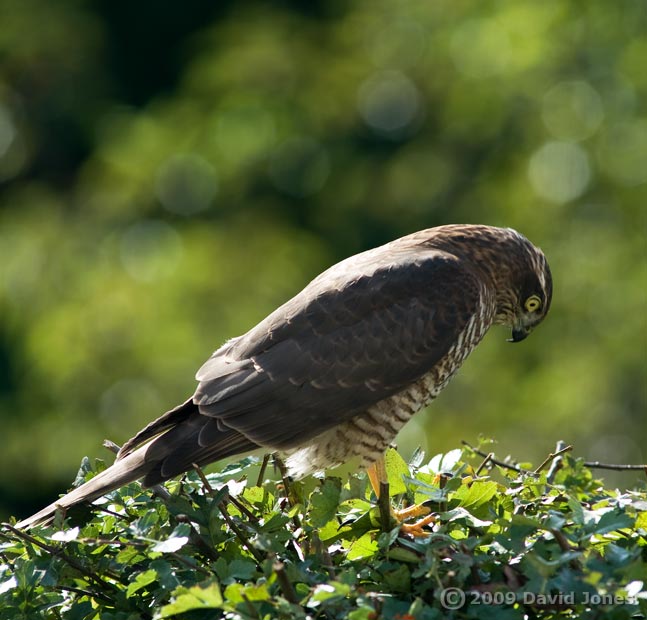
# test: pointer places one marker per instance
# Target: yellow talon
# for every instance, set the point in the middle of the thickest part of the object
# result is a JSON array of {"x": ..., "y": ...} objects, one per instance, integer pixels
[
  {"x": 415, "y": 529},
  {"x": 376, "y": 474}
]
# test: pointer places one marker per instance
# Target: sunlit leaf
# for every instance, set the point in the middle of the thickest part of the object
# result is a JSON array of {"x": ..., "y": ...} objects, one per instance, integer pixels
[
  {"x": 178, "y": 538},
  {"x": 237, "y": 593},
  {"x": 476, "y": 495},
  {"x": 66, "y": 535},
  {"x": 141, "y": 581},
  {"x": 196, "y": 597},
  {"x": 397, "y": 471},
  {"x": 362, "y": 548}
]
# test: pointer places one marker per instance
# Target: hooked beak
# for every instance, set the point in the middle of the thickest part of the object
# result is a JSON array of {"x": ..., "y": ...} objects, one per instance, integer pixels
[{"x": 519, "y": 334}]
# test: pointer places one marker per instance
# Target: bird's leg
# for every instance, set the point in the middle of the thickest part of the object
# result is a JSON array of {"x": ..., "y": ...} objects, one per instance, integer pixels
[
  {"x": 291, "y": 494},
  {"x": 379, "y": 482}
]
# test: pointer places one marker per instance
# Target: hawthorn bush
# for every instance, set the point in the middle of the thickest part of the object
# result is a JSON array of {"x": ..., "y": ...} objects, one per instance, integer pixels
[{"x": 505, "y": 544}]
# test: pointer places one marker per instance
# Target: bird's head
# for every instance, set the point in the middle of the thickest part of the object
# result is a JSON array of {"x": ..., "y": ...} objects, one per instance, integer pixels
[
  {"x": 517, "y": 271},
  {"x": 524, "y": 302}
]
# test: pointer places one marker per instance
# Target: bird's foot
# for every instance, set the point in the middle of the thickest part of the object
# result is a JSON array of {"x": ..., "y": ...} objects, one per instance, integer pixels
[
  {"x": 378, "y": 479},
  {"x": 414, "y": 529}
]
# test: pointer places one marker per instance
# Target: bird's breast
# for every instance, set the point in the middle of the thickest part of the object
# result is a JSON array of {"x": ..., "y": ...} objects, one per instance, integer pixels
[{"x": 367, "y": 435}]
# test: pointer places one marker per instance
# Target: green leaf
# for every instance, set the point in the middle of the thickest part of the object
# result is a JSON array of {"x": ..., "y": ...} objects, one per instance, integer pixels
[
  {"x": 362, "y": 548},
  {"x": 386, "y": 539},
  {"x": 141, "y": 581},
  {"x": 130, "y": 555},
  {"x": 166, "y": 575},
  {"x": 66, "y": 535},
  {"x": 617, "y": 556},
  {"x": 256, "y": 495},
  {"x": 178, "y": 538},
  {"x": 324, "y": 502},
  {"x": 612, "y": 521},
  {"x": 396, "y": 470},
  {"x": 326, "y": 591},
  {"x": 400, "y": 554},
  {"x": 197, "y": 597},
  {"x": 475, "y": 496},
  {"x": 398, "y": 579},
  {"x": 461, "y": 513},
  {"x": 170, "y": 545},
  {"x": 577, "y": 512},
  {"x": 444, "y": 463},
  {"x": 641, "y": 521},
  {"x": 236, "y": 593},
  {"x": 242, "y": 569}
]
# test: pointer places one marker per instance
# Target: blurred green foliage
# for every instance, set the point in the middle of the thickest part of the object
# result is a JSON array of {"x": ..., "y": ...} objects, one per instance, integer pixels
[{"x": 171, "y": 174}]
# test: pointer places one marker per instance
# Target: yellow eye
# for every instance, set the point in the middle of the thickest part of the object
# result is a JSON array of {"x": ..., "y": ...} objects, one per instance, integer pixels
[{"x": 532, "y": 304}]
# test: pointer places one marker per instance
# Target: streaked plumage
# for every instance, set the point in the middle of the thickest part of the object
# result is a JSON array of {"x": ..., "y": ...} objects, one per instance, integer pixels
[{"x": 337, "y": 370}]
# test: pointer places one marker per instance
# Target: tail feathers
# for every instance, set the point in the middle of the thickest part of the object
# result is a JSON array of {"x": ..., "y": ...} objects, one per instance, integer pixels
[
  {"x": 126, "y": 470},
  {"x": 190, "y": 452},
  {"x": 177, "y": 440},
  {"x": 169, "y": 420}
]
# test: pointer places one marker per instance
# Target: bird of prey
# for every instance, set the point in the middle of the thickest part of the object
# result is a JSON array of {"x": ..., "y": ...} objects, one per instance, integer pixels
[{"x": 336, "y": 371}]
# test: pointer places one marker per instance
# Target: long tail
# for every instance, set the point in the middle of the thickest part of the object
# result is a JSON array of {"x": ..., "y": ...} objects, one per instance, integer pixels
[
  {"x": 123, "y": 471},
  {"x": 176, "y": 440}
]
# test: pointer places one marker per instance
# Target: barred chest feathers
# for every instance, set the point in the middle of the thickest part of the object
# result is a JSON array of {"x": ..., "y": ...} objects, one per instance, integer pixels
[{"x": 368, "y": 435}]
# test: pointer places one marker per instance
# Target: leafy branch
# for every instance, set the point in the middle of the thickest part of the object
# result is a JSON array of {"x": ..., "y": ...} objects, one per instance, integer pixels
[{"x": 236, "y": 544}]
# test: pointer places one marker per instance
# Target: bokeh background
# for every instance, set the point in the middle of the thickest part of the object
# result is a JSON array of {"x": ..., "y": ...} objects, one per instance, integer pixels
[{"x": 171, "y": 172}]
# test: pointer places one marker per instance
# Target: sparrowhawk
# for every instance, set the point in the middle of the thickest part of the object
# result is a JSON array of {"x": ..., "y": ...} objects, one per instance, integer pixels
[{"x": 337, "y": 370}]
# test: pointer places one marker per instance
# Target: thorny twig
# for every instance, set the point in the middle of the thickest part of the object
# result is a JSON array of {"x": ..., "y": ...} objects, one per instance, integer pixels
[
  {"x": 611, "y": 466},
  {"x": 486, "y": 460},
  {"x": 261, "y": 473},
  {"x": 239, "y": 533},
  {"x": 284, "y": 583},
  {"x": 551, "y": 456},
  {"x": 557, "y": 463},
  {"x": 521, "y": 470},
  {"x": 205, "y": 483},
  {"x": 503, "y": 464}
]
